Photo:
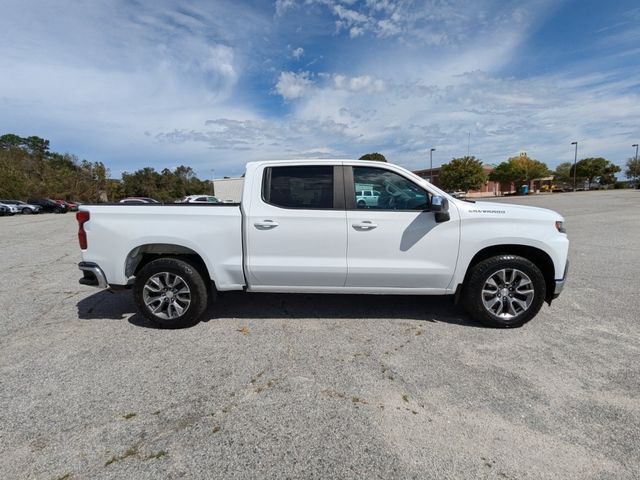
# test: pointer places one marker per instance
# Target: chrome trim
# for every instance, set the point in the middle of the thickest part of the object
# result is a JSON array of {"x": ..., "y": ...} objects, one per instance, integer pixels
[{"x": 97, "y": 271}]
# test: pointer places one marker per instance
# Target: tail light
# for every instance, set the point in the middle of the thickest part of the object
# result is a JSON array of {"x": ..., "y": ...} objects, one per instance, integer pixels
[{"x": 82, "y": 218}]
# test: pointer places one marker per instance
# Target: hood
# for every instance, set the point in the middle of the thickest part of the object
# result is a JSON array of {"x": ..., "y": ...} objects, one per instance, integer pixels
[{"x": 509, "y": 210}]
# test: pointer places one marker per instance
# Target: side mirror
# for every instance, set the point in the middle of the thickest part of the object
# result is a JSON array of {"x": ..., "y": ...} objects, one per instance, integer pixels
[
  {"x": 439, "y": 204},
  {"x": 440, "y": 207}
]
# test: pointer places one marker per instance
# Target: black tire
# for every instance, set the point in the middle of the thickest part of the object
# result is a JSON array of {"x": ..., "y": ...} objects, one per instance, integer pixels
[
  {"x": 189, "y": 274},
  {"x": 490, "y": 269},
  {"x": 57, "y": 210},
  {"x": 362, "y": 204},
  {"x": 26, "y": 211}
]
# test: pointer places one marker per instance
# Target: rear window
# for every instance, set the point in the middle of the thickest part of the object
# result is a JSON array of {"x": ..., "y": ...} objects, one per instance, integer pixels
[{"x": 309, "y": 187}]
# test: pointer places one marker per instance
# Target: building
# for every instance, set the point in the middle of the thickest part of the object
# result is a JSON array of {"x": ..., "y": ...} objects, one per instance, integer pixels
[{"x": 228, "y": 189}]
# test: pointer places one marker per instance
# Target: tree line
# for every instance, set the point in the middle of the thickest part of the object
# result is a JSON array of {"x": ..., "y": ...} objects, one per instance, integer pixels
[
  {"x": 28, "y": 169},
  {"x": 468, "y": 173}
]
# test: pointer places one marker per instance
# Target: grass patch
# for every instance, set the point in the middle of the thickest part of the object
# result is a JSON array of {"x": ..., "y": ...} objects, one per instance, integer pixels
[
  {"x": 216, "y": 429},
  {"x": 129, "y": 453},
  {"x": 160, "y": 454},
  {"x": 129, "y": 416},
  {"x": 405, "y": 397}
]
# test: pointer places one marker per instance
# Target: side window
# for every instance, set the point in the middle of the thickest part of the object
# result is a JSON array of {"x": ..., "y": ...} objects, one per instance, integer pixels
[
  {"x": 392, "y": 191},
  {"x": 201, "y": 199},
  {"x": 309, "y": 187}
]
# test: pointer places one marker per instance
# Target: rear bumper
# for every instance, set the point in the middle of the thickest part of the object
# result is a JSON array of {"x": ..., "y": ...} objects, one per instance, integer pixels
[
  {"x": 560, "y": 283},
  {"x": 92, "y": 275}
]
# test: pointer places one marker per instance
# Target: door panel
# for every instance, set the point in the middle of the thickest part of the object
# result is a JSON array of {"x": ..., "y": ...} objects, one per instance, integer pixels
[
  {"x": 295, "y": 237},
  {"x": 397, "y": 243}
]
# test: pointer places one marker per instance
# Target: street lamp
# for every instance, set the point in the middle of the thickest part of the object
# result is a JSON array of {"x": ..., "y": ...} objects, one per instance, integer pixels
[
  {"x": 431, "y": 164},
  {"x": 636, "y": 145},
  {"x": 575, "y": 160},
  {"x": 213, "y": 188}
]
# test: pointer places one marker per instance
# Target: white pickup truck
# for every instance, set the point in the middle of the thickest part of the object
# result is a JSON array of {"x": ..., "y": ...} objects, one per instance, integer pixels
[{"x": 299, "y": 228}]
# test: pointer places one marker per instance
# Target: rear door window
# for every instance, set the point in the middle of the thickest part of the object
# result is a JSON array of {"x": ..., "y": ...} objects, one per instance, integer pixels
[{"x": 307, "y": 187}]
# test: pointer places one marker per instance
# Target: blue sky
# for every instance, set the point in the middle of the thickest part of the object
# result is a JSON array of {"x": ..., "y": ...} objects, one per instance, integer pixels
[{"x": 214, "y": 84}]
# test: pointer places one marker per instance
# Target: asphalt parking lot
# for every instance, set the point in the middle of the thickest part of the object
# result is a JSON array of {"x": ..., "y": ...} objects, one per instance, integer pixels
[{"x": 304, "y": 386}]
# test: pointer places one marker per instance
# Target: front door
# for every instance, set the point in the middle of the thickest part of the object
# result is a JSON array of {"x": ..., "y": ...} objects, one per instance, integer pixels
[
  {"x": 296, "y": 232},
  {"x": 395, "y": 242}
]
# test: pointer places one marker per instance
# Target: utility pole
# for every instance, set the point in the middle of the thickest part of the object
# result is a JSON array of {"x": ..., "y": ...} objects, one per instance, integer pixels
[
  {"x": 575, "y": 161},
  {"x": 213, "y": 188},
  {"x": 636, "y": 157},
  {"x": 431, "y": 164}
]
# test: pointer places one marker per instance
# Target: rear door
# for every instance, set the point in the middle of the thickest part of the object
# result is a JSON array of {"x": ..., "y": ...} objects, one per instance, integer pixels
[
  {"x": 296, "y": 228},
  {"x": 395, "y": 241}
]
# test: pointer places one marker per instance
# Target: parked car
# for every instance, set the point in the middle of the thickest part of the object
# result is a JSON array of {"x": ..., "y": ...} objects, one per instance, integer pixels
[
  {"x": 138, "y": 200},
  {"x": 298, "y": 229},
  {"x": 199, "y": 199},
  {"x": 460, "y": 194},
  {"x": 11, "y": 209},
  {"x": 367, "y": 198},
  {"x": 5, "y": 210},
  {"x": 48, "y": 205},
  {"x": 72, "y": 207},
  {"x": 22, "y": 207}
]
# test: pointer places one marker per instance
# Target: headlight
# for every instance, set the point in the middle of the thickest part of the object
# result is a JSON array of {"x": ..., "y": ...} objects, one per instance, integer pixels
[{"x": 560, "y": 227}]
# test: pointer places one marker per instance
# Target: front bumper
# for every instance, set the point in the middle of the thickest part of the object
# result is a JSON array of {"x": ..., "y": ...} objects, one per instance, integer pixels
[
  {"x": 560, "y": 283},
  {"x": 92, "y": 275}
]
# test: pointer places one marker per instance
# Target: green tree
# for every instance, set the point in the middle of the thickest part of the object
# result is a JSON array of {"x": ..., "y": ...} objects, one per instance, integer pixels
[
  {"x": 632, "y": 170},
  {"x": 596, "y": 168},
  {"x": 378, "y": 157},
  {"x": 562, "y": 173},
  {"x": 29, "y": 169},
  {"x": 464, "y": 173},
  {"x": 520, "y": 169}
]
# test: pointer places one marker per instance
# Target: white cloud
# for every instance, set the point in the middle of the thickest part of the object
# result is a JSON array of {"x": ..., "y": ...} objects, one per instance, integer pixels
[
  {"x": 293, "y": 85},
  {"x": 283, "y": 5},
  {"x": 297, "y": 53},
  {"x": 356, "y": 32},
  {"x": 356, "y": 84}
]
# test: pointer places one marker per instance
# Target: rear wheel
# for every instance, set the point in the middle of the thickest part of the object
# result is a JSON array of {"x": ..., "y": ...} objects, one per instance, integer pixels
[
  {"x": 57, "y": 210},
  {"x": 26, "y": 211},
  {"x": 170, "y": 293},
  {"x": 504, "y": 291}
]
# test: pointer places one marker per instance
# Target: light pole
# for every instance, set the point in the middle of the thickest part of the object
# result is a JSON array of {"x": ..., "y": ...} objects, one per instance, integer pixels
[
  {"x": 575, "y": 161},
  {"x": 636, "y": 145},
  {"x": 431, "y": 164},
  {"x": 213, "y": 188}
]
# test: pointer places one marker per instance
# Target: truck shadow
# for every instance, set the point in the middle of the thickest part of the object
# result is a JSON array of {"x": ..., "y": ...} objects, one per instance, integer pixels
[{"x": 105, "y": 305}]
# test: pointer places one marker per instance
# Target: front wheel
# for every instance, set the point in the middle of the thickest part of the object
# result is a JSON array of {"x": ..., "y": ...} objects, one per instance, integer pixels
[
  {"x": 504, "y": 291},
  {"x": 170, "y": 293},
  {"x": 26, "y": 211}
]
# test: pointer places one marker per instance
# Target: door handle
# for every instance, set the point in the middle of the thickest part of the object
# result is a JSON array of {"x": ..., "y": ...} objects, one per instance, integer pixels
[
  {"x": 266, "y": 225},
  {"x": 365, "y": 225}
]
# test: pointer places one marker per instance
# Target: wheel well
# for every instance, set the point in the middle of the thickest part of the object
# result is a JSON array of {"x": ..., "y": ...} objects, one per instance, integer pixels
[
  {"x": 536, "y": 256},
  {"x": 140, "y": 256}
]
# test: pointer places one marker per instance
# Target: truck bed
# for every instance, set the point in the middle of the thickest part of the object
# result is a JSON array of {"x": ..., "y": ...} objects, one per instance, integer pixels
[{"x": 118, "y": 233}]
